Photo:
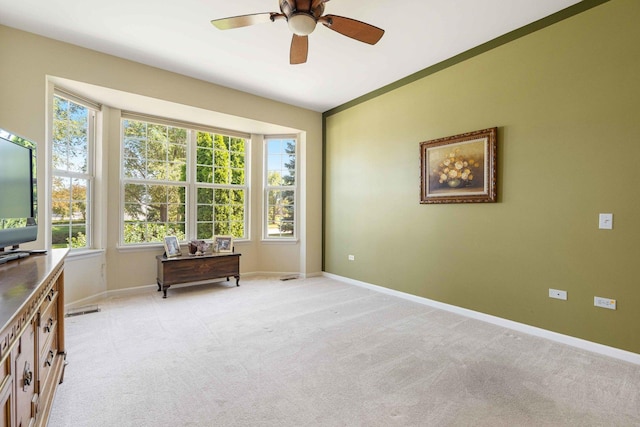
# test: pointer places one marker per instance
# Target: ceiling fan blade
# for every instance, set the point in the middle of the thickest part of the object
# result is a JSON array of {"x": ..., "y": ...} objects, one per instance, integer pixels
[
  {"x": 289, "y": 5},
  {"x": 351, "y": 28},
  {"x": 242, "y": 21},
  {"x": 303, "y": 5},
  {"x": 317, "y": 3},
  {"x": 299, "y": 49}
]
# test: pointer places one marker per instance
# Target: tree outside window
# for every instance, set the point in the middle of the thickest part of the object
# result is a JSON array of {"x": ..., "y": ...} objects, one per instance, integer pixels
[
  {"x": 73, "y": 138},
  {"x": 157, "y": 183},
  {"x": 280, "y": 188}
]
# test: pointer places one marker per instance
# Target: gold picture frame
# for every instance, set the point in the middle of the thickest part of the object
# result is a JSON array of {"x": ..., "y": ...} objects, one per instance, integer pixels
[
  {"x": 171, "y": 247},
  {"x": 223, "y": 244},
  {"x": 460, "y": 168}
]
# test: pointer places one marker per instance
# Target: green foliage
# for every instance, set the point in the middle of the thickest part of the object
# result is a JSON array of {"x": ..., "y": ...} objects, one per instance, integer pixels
[
  {"x": 141, "y": 232},
  {"x": 78, "y": 241},
  {"x": 158, "y": 152},
  {"x": 220, "y": 161},
  {"x": 66, "y": 234}
]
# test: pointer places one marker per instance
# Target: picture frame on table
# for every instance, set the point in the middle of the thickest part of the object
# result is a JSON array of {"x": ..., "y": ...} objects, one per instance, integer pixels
[
  {"x": 460, "y": 168},
  {"x": 223, "y": 244},
  {"x": 171, "y": 247}
]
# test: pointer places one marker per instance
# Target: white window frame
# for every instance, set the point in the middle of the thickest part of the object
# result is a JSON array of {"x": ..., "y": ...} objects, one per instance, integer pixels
[
  {"x": 192, "y": 172},
  {"x": 94, "y": 110},
  {"x": 267, "y": 188},
  {"x": 191, "y": 175}
]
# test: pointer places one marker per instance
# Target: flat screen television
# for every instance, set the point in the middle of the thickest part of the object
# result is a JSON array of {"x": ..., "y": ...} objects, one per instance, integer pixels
[{"x": 18, "y": 192}]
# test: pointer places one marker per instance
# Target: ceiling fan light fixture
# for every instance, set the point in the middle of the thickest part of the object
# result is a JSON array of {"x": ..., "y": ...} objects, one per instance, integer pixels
[{"x": 302, "y": 24}]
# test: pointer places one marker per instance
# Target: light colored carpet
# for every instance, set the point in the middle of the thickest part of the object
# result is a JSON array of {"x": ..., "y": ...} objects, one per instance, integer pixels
[{"x": 318, "y": 352}]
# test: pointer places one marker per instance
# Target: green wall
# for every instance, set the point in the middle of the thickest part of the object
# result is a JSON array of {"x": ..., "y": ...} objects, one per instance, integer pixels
[{"x": 566, "y": 101}]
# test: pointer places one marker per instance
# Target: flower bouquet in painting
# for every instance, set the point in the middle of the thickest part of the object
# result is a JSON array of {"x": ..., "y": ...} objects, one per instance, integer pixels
[{"x": 457, "y": 170}]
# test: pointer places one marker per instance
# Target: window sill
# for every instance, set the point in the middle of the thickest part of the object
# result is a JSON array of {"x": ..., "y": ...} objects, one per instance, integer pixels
[
  {"x": 74, "y": 255},
  {"x": 141, "y": 248},
  {"x": 292, "y": 241},
  {"x": 160, "y": 247}
]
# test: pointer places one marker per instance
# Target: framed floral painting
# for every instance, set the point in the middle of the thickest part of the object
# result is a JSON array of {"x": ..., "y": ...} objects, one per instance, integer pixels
[{"x": 460, "y": 168}]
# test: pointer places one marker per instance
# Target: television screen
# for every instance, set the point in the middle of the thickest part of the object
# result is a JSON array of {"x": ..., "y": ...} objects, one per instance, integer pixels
[{"x": 17, "y": 190}]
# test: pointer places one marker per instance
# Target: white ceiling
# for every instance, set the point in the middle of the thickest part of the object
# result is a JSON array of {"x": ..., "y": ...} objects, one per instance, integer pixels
[{"x": 176, "y": 35}]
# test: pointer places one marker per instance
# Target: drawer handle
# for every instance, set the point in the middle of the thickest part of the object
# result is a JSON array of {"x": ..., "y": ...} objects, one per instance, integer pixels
[
  {"x": 27, "y": 377},
  {"x": 51, "y": 294},
  {"x": 50, "y": 358},
  {"x": 48, "y": 326}
]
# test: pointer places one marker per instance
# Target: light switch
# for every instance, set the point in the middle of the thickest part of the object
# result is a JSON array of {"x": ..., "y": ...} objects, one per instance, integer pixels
[{"x": 606, "y": 221}]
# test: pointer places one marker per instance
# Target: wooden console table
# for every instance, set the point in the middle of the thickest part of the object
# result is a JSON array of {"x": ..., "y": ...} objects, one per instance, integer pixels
[{"x": 196, "y": 268}]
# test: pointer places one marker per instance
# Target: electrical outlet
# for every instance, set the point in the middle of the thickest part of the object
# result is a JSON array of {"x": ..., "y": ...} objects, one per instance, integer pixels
[
  {"x": 604, "y": 303},
  {"x": 557, "y": 294},
  {"x": 352, "y": 257}
]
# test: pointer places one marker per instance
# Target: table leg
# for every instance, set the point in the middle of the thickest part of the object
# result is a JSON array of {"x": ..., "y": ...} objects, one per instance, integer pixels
[{"x": 237, "y": 280}]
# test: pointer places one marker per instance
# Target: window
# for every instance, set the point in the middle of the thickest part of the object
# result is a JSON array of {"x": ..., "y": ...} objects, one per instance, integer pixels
[
  {"x": 154, "y": 173},
  {"x": 280, "y": 188},
  {"x": 166, "y": 194},
  {"x": 221, "y": 189},
  {"x": 72, "y": 177}
]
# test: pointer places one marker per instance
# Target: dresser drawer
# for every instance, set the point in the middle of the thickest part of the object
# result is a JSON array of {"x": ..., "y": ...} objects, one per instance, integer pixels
[
  {"x": 47, "y": 321},
  {"x": 48, "y": 359}
]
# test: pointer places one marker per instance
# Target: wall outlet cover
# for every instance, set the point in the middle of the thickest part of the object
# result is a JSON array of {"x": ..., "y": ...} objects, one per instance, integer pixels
[
  {"x": 604, "y": 303},
  {"x": 605, "y": 221},
  {"x": 557, "y": 294}
]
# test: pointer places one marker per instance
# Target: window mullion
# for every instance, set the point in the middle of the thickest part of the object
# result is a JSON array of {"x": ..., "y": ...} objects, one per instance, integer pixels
[{"x": 191, "y": 208}]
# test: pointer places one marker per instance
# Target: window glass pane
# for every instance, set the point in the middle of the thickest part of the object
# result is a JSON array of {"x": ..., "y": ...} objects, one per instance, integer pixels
[
  {"x": 178, "y": 136},
  {"x": 205, "y": 213},
  {"x": 69, "y": 214},
  {"x": 280, "y": 184},
  {"x": 134, "y": 129},
  {"x": 204, "y": 174},
  {"x": 205, "y": 195},
  {"x": 237, "y": 176},
  {"x": 222, "y": 228},
  {"x": 153, "y": 211},
  {"x": 237, "y": 228},
  {"x": 281, "y": 162},
  {"x": 134, "y": 148},
  {"x": 205, "y": 230},
  {"x": 237, "y": 196},
  {"x": 153, "y": 151},
  {"x": 70, "y": 136},
  {"x": 60, "y": 211},
  {"x": 280, "y": 213},
  {"x": 59, "y": 154},
  {"x": 157, "y": 150}
]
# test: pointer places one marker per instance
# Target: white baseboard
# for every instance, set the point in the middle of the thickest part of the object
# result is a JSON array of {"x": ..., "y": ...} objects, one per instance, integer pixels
[
  {"x": 616, "y": 353},
  {"x": 94, "y": 299}
]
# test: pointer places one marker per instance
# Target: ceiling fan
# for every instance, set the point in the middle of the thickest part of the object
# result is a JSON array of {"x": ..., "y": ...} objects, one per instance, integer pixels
[{"x": 302, "y": 17}]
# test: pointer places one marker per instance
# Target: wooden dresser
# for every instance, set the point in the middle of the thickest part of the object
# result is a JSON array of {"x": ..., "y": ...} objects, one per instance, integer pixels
[{"x": 32, "y": 351}]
